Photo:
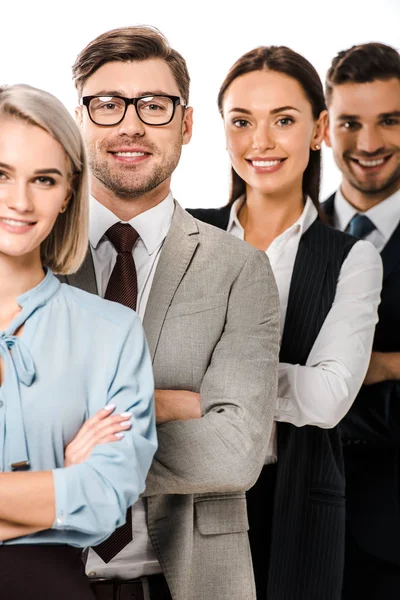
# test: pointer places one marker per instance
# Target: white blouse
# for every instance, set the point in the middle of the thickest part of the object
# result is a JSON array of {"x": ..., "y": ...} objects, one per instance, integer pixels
[{"x": 321, "y": 392}]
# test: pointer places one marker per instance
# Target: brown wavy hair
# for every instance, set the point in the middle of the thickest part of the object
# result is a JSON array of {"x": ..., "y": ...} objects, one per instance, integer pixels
[{"x": 281, "y": 59}]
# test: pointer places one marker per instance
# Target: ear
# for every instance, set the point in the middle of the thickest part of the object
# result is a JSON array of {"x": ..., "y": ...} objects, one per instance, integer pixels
[
  {"x": 79, "y": 116},
  {"x": 319, "y": 130},
  {"x": 327, "y": 136},
  {"x": 187, "y": 125}
]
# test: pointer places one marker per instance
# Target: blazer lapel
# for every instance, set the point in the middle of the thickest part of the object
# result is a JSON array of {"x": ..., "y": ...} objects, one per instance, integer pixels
[
  {"x": 176, "y": 255},
  {"x": 85, "y": 278},
  {"x": 390, "y": 254}
]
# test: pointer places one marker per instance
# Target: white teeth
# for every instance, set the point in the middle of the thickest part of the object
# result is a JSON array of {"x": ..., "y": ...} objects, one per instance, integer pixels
[
  {"x": 16, "y": 223},
  {"x": 265, "y": 163},
  {"x": 129, "y": 153},
  {"x": 371, "y": 163}
]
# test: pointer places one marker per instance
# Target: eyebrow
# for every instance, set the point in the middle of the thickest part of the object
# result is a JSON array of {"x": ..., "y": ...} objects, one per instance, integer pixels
[
  {"x": 122, "y": 93},
  {"x": 274, "y": 111},
  {"x": 344, "y": 117},
  {"x": 37, "y": 172}
]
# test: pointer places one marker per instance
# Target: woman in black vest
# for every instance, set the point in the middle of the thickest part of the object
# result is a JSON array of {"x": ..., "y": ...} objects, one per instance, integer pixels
[{"x": 274, "y": 113}]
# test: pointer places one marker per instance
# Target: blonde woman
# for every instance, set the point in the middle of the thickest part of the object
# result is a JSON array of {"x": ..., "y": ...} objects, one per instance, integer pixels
[{"x": 64, "y": 354}]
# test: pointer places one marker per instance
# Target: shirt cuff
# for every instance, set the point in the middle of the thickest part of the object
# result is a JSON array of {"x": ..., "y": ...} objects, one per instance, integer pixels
[{"x": 60, "y": 496}]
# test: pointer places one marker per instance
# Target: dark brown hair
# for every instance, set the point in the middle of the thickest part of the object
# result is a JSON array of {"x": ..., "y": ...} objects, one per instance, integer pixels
[
  {"x": 126, "y": 44},
  {"x": 281, "y": 60},
  {"x": 362, "y": 64}
]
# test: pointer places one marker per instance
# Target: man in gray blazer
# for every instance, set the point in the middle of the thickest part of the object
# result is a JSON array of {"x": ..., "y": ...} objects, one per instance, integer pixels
[{"x": 210, "y": 311}]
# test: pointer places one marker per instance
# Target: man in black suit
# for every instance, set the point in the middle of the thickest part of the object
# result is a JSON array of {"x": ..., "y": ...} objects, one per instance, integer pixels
[{"x": 363, "y": 97}]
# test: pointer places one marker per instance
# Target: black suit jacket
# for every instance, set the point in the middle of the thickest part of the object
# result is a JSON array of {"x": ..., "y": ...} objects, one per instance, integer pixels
[
  {"x": 371, "y": 429},
  {"x": 307, "y": 552}
]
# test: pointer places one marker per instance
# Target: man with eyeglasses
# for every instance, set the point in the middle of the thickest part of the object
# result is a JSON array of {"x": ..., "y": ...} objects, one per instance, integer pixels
[{"x": 210, "y": 311}]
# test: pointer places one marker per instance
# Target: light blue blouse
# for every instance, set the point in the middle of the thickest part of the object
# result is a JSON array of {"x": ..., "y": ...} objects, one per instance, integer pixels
[{"x": 77, "y": 353}]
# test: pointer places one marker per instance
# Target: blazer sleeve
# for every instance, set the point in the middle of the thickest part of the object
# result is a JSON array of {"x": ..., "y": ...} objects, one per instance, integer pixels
[{"x": 225, "y": 449}]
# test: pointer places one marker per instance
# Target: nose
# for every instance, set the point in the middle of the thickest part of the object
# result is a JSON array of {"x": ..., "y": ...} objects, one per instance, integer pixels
[
  {"x": 18, "y": 197},
  {"x": 131, "y": 124},
  {"x": 263, "y": 138},
  {"x": 370, "y": 140}
]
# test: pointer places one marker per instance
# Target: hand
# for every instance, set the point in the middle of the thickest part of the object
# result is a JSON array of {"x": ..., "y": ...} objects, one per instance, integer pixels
[
  {"x": 176, "y": 405},
  {"x": 99, "y": 429}
]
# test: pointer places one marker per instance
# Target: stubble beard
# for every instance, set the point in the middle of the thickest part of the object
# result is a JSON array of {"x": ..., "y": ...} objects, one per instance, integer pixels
[
  {"x": 126, "y": 184},
  {"x": 372, "y": 188}
]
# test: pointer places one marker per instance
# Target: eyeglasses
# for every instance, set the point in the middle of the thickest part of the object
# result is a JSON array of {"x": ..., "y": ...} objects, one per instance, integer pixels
[{"x": 152, "y": 110}]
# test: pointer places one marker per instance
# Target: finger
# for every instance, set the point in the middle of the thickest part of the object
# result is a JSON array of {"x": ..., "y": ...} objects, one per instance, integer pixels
[
  {"x": 96, "y": 426},
  {"x": 96, "y": 418},
  {"x": 108, "y": 427}
]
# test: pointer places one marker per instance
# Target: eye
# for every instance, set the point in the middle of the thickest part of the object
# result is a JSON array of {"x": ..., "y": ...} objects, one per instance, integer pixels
[
  {"x": 45, "y": 181},
  {"x": 285, "y": 121},
  {"x": 3, "y": 176},
  {"x": 390, "y": 121},
  {"x": 240, "y": 123},
  {"x": 351, "y": 125}
]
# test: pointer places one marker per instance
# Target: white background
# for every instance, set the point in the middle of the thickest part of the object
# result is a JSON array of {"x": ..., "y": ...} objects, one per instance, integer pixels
[{"x": 39, "y": 41}]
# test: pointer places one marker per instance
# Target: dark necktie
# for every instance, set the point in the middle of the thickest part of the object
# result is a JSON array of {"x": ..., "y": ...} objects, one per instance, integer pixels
[
  {"x": 122, "y": 287},
  {"x": 360, "y": 226}
]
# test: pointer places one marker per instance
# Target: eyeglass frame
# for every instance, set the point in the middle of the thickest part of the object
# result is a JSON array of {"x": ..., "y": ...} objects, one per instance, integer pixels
[{"x": 176, "y": 101}]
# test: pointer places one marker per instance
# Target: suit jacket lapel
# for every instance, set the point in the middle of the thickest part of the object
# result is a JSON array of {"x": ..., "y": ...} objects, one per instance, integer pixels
[
  {"x": 85, "y": 278},
  {"x": 176, "y": 255},
  {"x": 327, "y": 207}
]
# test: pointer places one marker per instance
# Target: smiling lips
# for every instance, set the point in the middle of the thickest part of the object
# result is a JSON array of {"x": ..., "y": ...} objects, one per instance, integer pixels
[
  {"x": 130, "y": 155},
  {"x": 266, "y": 165},
  {"x": 370, "y": 164},
  {"x": 16, "y": 226}
]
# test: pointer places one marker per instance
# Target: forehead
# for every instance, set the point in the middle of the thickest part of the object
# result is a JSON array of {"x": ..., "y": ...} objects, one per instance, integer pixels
[
  {"x": 366, "y": 100},
  {"x": 132, "y": 78},
  {"x": 264, "y": 90},
  {"x": 29, "y": 147}
]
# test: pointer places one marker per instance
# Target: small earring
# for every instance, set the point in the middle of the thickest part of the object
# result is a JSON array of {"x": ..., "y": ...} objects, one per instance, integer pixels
[
  {"x": 64, "y": 208},
  {"x": 317, "y": 147}
]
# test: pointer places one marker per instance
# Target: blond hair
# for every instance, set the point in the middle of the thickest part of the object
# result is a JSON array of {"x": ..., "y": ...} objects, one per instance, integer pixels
[{"x": 65, "y": 247}]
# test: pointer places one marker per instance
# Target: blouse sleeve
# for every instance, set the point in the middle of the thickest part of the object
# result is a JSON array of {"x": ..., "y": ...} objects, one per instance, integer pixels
[
  {"x": 92, "y": 497},
  {"x": 321, "y": 392}
]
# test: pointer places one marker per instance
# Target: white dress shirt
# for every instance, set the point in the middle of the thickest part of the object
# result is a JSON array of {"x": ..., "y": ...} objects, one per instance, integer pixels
[
  {"x": 138, "y": 558},
  {"x": 385, "y": 216},
  {"x": 321, "y": 392}
]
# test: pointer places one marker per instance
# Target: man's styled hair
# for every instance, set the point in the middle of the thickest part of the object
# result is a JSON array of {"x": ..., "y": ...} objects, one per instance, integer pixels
[
  {"x": 128, "y": 44},
  {"x": 65, "y": 247},
  {"x": 362, "y": 64}
]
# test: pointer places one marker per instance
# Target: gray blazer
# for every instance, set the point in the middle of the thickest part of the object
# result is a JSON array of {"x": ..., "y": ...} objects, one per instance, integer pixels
[{"x": 212, "y": 323}]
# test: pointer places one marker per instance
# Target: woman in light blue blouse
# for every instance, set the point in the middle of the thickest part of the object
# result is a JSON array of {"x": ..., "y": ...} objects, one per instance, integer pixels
[{"x": 64, "y": 354}]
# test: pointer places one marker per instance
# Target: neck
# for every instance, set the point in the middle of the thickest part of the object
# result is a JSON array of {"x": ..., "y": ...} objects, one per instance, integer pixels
[
  {"x": 362, "y": 201},
  {"x": 128, "y": 208},
  {"x": 270, "y": 214},
  {"x": 18, "y": 275}
]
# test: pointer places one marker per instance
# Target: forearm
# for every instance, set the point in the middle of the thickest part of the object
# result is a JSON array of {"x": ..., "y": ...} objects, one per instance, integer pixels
[
  {"x": 384, "y": 366},
  {"x": 9, "y": 530},
  {"x": 176, "y": 405},
  {"x": 27, "y": 499}
]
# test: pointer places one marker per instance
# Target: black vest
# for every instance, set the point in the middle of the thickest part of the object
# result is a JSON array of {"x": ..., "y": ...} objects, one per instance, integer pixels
[
  {"x": 307, "y": 552},
  {"x": 371, "y": 429}
]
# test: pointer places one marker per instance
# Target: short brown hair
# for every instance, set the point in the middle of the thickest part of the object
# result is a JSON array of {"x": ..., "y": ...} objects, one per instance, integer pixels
[
  {"x": 127, "y": 44},
  {"x": 362, "y": 64},
  {"x": 281, "y": 59},
  {"x": 64, "y": 249}
]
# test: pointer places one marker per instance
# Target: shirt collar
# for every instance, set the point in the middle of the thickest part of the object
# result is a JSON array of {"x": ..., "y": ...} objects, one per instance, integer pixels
[
  {"x": 385, "y": 215},
  {"x": 152, "y": 225},
  {"x": 306, "y": 218}
]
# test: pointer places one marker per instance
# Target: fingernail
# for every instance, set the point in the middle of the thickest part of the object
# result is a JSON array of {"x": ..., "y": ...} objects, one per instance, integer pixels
[
  {"x": 126, "y": 423},
  {"x": 126, "y": 414},
  {"x": 109, "y": 407},
  {"x": 121, "y": 434}
]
